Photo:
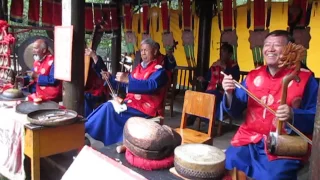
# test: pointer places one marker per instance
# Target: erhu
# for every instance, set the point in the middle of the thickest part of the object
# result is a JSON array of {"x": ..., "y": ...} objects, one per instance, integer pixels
[
  {"x": 277, "y": 143},
  {"x": 115, "y": 94},
  {"x": 284, "y": 144}
]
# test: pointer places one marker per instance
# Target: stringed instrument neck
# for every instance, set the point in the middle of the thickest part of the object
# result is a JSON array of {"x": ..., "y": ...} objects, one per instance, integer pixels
[{"x": 87, "y": 59}]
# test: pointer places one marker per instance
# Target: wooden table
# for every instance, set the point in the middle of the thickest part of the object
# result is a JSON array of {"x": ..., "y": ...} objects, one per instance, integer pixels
[{"x": 45, "y": 141}]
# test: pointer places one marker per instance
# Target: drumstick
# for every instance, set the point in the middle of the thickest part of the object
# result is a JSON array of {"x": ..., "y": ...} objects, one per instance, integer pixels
[
  {"x": 121, "y": 149},
  {"x": 238, "y": 85}
]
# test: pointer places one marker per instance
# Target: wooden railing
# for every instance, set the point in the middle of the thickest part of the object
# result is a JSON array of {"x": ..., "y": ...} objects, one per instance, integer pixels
[{"x": 184, "y": 78}]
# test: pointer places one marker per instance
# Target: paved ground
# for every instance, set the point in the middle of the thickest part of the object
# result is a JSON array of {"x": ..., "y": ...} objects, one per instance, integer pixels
[{"x": 53, "y": 168}]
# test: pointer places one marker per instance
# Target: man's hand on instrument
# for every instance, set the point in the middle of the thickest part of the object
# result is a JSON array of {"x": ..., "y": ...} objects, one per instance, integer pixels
[
  {"x": 91, "y": 53},
  {"x": 122, "y": 77},
  {"x": 228, "y": 84},
  {"x": 105, "y": 75},
  {"x": 284, "y": 112},
  {"x": 128, "y": 67},
  {"x": 34, "y": 75}
]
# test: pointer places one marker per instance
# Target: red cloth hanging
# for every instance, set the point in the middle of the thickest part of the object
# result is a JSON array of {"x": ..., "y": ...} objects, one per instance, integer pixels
[
  {"x": 16, "y": 12},
  {"x": 88, "y": 18},
  {"x": 51, "y": 13},
  {"x": 34, "y": 12},
  {"x": 164, "y": 14},
  {"x": 186, "y": 14},
  {"x": 303, "y": 5},
  {"x": 259, "y": 14},
  {"x": 57, "y": 13},
  {"x": 98, "y": 14},
  {"x": 47, "y": 12},
  {"x": 145, "y": 17},
  {"x": 111, "y": 19},
  {"x": 227, "y": 15},
  {"x": 127, "y": 16}
]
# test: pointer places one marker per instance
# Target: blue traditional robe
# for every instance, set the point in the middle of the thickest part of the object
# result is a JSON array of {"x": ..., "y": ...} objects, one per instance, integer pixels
[
  {"x": 252, "y": 158},
  {"x": 106, "y": 125},
  {"x": 95, "y": 92},
  {"x": 44, "y": 81},
  {"x": 170, "y": 62}
]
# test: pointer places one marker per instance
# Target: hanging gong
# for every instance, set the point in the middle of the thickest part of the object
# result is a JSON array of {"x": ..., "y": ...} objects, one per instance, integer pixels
[{"x": 25, "y": 55}]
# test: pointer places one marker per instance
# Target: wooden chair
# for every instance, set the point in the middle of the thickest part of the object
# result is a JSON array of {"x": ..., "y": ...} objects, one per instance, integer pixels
[{"x": 198, "y": 104}]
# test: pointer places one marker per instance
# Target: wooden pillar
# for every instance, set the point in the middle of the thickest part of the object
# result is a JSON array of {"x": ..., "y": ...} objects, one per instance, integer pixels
[
  {"x": 116, "y": 44},
  {"x": 73, "y": 14},
  {"x": 204, "y": 40},
  {"x": 4, "y": 10},
  {"x": 314, "y": 170}
]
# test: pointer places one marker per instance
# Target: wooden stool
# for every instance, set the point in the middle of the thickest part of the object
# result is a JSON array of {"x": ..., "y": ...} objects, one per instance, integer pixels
[{"x": 45, "y": 141}]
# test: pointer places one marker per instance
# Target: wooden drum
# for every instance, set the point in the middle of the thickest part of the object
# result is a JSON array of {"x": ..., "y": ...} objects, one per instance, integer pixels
[
  {"x": 199, "y": 161},
  {"x": 149, "y": 140}
]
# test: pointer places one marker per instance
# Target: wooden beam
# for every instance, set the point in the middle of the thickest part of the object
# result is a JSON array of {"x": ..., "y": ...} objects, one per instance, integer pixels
[
  {"x": 31, "y": 27},
  {"x": 314, "y": 170},
  {"x": 73, "y": 14},
  {"x": 116, "y": 44},
  {"x": 205, "y": 22},
  {"x": 4, "y": 10}
]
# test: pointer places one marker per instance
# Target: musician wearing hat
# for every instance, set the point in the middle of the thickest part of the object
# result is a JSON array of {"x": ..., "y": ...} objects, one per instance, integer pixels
[
  {"x": 95, "y": 91},
  {"x": 145, "y": 87},
  {"x": 43, "y": 84},
  {"x": 248, "y": 151}
]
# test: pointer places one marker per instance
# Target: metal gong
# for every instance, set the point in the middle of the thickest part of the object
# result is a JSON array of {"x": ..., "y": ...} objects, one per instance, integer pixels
[
  {"x": 25, "y": 56},
  {"x": 28, "y": 107}
]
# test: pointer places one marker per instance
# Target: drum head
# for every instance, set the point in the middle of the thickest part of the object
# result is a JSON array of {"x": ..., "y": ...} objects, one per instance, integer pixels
[{"x": 25, "y": 58}]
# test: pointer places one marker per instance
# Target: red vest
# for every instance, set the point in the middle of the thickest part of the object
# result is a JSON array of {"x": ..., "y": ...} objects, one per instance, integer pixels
[
  {"x": 146, "y": 103},
  {"x": 47, "y": 92},
  {"x": 259, "y": 122},
  {"x": 160, "y": 59},
  {"x": 216, "y": 76},
  {"x": 94, "y": 84}
]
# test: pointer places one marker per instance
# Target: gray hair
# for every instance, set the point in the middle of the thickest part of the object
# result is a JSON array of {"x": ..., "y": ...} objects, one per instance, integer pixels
[{"x": 149, "y": 41}]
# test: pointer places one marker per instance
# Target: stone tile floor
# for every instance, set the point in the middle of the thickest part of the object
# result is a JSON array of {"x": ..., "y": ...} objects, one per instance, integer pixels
[{"x": 53, "y": 167}]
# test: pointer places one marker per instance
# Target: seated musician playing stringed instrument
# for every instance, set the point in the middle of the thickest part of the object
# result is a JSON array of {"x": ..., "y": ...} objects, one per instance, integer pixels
[
  {"x": 213, "y": 79},
  {"x": 95, "y": 91},
  {"x": 167, "y": 61},
  {"x": 146, "y": 87},
  {"x": 247, "y": 152}
]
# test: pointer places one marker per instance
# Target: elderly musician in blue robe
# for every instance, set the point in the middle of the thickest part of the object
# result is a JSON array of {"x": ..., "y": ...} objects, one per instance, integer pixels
[{"x": 145, "y": 88}]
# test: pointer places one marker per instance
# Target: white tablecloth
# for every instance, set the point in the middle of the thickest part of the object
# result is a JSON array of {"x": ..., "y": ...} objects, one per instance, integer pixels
[{"x": 11, "y": 142}]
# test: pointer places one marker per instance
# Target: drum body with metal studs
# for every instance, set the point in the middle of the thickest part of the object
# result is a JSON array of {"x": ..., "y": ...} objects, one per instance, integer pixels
[{"x": 149, "y": 140}]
